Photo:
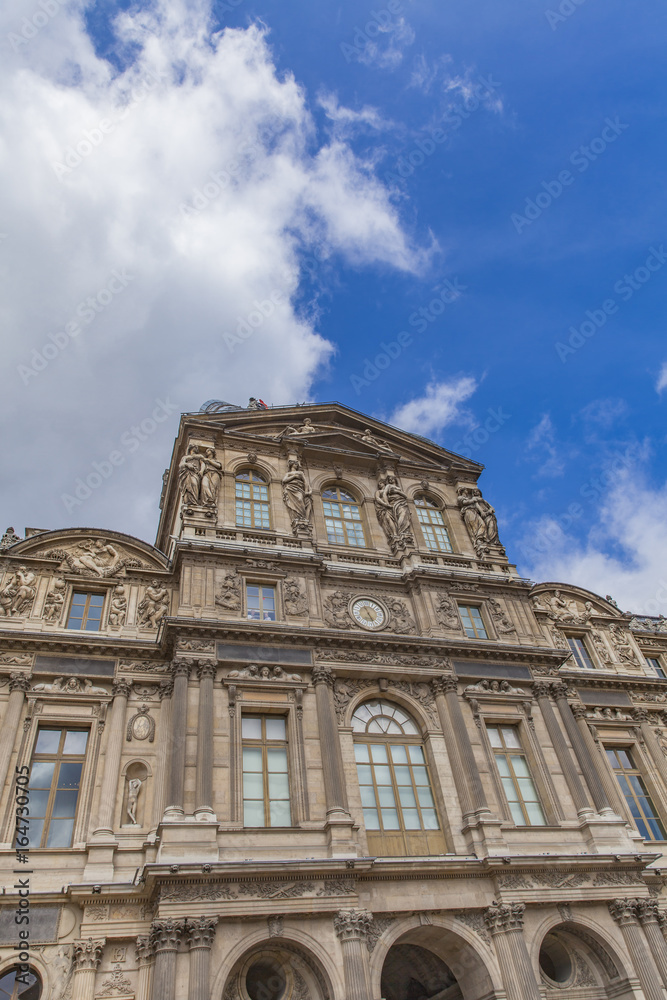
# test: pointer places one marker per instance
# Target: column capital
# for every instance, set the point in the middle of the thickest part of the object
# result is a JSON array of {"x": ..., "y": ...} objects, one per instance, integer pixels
[
  {"x": 166, "y": 689},
  {"x": 121, "y": 688},
  {"x": 624, "y": 911},
  {"x": 322, "y": 674},
  {"x": 647, "y": 911},
  {"x": 579, "y": 712},
  {"x": 143, "y": 949},
  {"x": 445, "y": 683},
  {"x": 19, "y": 682},
  {"x": 353, "y": 925},
  {"x": 503, "y": 917},
  {"x": 166, "y": 934},
  {"x": 640, "y": 715},
  {"x": 181, "y": 668},
  {"x": 207, "y": 668},
  {"x": 541, "y": 689},
  {"x": 559, "y": 689},
  {"x": 88, "y": 954},
  {"x": 201, "y": 932}
]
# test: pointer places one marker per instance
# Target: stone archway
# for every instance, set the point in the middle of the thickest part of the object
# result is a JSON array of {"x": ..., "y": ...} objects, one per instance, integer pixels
[
  {"x": 411, "y": 972},
  {"x": 276, "y": 970},
  {"x": 571, "y": 956}
]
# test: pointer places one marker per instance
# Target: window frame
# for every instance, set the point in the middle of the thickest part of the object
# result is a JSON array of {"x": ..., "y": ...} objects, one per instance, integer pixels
[
  {"x": 432, "y": 504},
  {"x": 522, "y": 750},
  {"x": 84, "y": 619},
  {"x": 35, "y": 972},
  {"x": 463, "y": 605},
  {"x": 581, "y": 637},
  {"x": 642, "y": 774},
  {"x": 58, "y": 758},
  {"x": 262, "y": 585},
  {"x": 266, "y": 744},
  {"x": 359, "y": 504},
  {"x": 658, "y": 669},
  {"x": 263, "y": 479}
]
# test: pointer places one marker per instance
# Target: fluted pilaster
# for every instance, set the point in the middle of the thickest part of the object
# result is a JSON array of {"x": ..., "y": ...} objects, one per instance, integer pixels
[
  {"x": 542, "y": 692},
  {"x": 161, "y": 785},
  {"x": 144, "y": 954},
  {"x": 115, "y": 731},
  {"x": 332, "y": 758},
  {"x": 649, "y": 918},
  {"x": 352, "y": 928},
  {"x": 87, "y": 957},
  {"x": 175, "y": 805},
  {"x": 593, "y": 780},
  {"x": 165, "y": 939},
  {"x": 477, "y": 797},
  {"x": 505, "y": 924},
  {"x": 625, "y": 912},
  {"x": 204, "y": 791},
  {"x": 19, "y": 684},
  {"x": 201, "y": 933}
]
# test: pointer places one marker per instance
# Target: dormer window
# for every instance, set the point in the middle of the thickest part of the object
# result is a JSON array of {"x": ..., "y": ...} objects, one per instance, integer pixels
[
  {"x": 342, "y": 517},
  {"x": 432, "y": 524}
]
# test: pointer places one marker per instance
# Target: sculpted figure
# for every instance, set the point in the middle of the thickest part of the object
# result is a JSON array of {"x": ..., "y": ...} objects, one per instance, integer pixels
[
  {"x": 229, "y": 597},
  {"x": 9, "y": 538},
  {"x": 24, "y": 587},
  {"x": 295, "y": 602},
  {"x": 154, "y": 606},
  {"x": 369, "y": 438},
  {"x": 190, "y": 475},
  {"x": 133, "y": 789},
  {"x": 302, "y": 430},
  {"x": 393, "y": 512},
  {"x": 335, "y": 610},
  {"x": 479, "y": 517},
  {"x": 55, "y": 599},
  {"x": 118, "y": 609},
  {"x": 601, "y": 647},
  {"x": 447, "y": 614},
  {"x": 211, "y": 474},
  {"x": 298, "y": 498}
]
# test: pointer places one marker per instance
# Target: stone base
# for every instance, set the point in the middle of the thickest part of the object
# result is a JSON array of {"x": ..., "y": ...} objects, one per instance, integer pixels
[
  {"x": 100, "y": 866},
  {"x": 188, "y": 840},
  {"x": 342, "y": 840},
  {"x": 609, "y": 834},
  {"x": 484, "y": 835}
]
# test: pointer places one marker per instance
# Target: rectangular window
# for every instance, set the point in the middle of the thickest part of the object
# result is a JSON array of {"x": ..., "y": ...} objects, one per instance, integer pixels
[
  {"x": 629, "y": 777},
  {"x": 580, "y": 652},
  {"x": 517, "y": 783},
  {"x": 472, "y": 622},
  {"x": 86, "y": 611},
  {"x": 395, "y": 788},
  {"x": 343, "y": 524},
  {"x": 261, "y": 603},
  {"x": 55, "y": 777},
  {"x": 266, "y": 799},
  {"x": 655, "y": 665}
]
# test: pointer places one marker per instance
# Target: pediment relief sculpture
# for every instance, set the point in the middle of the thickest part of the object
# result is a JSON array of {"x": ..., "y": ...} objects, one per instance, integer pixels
[
  {"x": 393, "y": 513},
  {"x": 480, "y": 520},
  {"x": 18, "y": 593},
  {"x": 378, "y": 444},
  {"x": 563, "y": 609},
  {"x": 94, "y": 558},
  {"x": 302, "y": 430},
  {"x": 70, "y": 685},
  {"x": 658, "y": 624}
]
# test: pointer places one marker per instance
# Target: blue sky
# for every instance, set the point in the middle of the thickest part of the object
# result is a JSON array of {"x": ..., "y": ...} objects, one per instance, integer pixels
[{"x": 496, "y": 166}]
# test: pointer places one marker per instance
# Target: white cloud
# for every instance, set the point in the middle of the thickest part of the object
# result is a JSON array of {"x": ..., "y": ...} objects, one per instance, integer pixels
[
  {"x": 661, "y": 384},
  {"x": 386, "y": 48},
  {"x": 541, "y": 446},
  {"x": 199, "y": 177},
  {"x": 439, "y": 406},
  {"x": 624, "y": 552}
]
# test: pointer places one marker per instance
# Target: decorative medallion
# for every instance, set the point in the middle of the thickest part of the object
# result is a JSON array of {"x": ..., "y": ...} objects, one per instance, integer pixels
[
  {"x": 141, "y": 726},
  {"x": 368, "y": 613}
]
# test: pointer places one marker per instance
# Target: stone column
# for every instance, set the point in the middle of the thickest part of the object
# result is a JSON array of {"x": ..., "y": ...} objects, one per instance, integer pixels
[
  {"x": 115, "y": 736},
  {"x": 624, "y": 912},
  {"x": 462, "y": 787},
  {"x": 175, "y": 804},
  {"x": 505, "y": 924},
  {"x": 582, "y": 752},
  {"x": 352, "y": 927},
  {"x": 200, "y": 939},
  {"x": 647, "y": 911},
  {"x": 144, "y": 955},
  {"x": 598, "y": 757},
  {"x": 542, "y": 692},
  {"x": 332, "y": 758},
  {"x": 204, "y": 791},
  {"x": 87, "y": 957},
  {"x": 471, "y": 775},
  {"x": 161, "y": 782},
  {"x": 19, "y": 685},
  {"x": 165, "y": 939}
]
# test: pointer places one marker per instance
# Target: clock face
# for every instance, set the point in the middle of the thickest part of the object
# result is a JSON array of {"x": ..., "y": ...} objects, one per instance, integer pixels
[{"x": 368, "y": 613}]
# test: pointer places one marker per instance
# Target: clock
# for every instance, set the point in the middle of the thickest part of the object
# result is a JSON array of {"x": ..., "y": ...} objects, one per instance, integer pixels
[{"x": 367, "y": 613}]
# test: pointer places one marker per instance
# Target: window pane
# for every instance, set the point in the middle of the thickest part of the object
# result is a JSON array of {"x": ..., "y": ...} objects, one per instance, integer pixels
[
  {"x": 251, "y": 728},
  {"x": 275, "y": 728},
  {"x": 517, "y": 814},
  {"x": 519, "y": 765},
  {"x": 38, "y": 803},
  {"x": 503, "y": 766},
  {"x": 535, "y": 814},
  {"x": 278, "y": 786},
  {"x": 65, "y": 803},
  {"x": 511, "y": 736},
  {"x": 430, "y": 819},
  {"x": 402, "y": 775},
  {"x": 382, "y": 775},
  {"x": 253, "y": 785},
  {"x": 364, "y": 772},
  {"x": 69, "y": 775},
  {"x": 75, "y": 742},
  {"x": 252, "y": 759},
  {"x": 253, "y": 813},
  {"x": 386, "y": 796},
  {"x": 60, "y": 833},
  {"x": 371, "y": 819},
  {"x": 360, "y": 750},
  {"x": 420, "y": 775},
  {"x": 35, "y": 831},
  {"x": 48, "y": 741},
  {"x": 494, "y": 736},
  {"x": 390, "y": 819},
  {"x": 280, "y": 814},
  {"x": 407, "y": 798},
  {"x": 378, "y": 753},
  {"x": 368, "y": 796},
  {"x": 276, "y": 759},
  {"x": 416, "y": 755},
  {"x": 411, "y": 819},
  {"x": 41, "y": 774},
  {"x": 425, "y": 798}
]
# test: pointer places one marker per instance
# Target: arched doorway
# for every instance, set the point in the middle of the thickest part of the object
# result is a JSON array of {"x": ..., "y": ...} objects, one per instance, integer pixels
[
  {"x": 280, "y": 971},
  {"x": 571, "y": 957},
  {"x": 411, "y": 972}
]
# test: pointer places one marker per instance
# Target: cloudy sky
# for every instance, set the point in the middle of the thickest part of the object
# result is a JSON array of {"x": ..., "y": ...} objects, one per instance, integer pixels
[{"x": 484, "y": 178}]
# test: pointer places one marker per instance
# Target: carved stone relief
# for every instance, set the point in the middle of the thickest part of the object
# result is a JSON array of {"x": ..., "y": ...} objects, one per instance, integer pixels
[
  {"x": 622, "y": 645},
  {"x": 480, "y": 520},
  {"x": 118, "y": 609},
  {"x": 393, "y": 513},
  {"x": 561, "y": 609},
  {"x": 296, "y": 602},
  {"x": 199, "y": 477},
  {"x": 55, "y": 602},
  {"x": 70, "y": 685},
  {"x": 501, "y": 622},
  {"x": 265, "y": 673},
  {"x": 447, "y": 612},
  {"x": 18, "y": 593},
  {"x": 95, "y": 558},
  {"x": 229, "y": 596},
  {"x": 141, "y": 726},
  {"x": 153, "y": 607},
  {"x": 298, "y": 498}
]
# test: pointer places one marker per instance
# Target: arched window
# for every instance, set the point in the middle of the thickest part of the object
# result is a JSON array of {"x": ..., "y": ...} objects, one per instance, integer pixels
[
  {"x": 20, "y": 986},
  {"x": 342, "y": 517},
  {"x": 432, "y": 523},
  {"x": 252, "y": 500},
  {"x": 396, "y": 794}
]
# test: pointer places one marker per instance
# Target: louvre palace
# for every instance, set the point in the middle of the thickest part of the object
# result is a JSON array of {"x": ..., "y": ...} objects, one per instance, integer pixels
[{"x": 322, "y": 741}]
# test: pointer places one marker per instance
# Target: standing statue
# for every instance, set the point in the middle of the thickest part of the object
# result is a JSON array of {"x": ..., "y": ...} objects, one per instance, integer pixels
[
  {"x": 211, "y": 474},
  {"x": 55, "y": 599},
  {"x": 298, "y": 498},
  {"x": 393, "y": 512},
  {"x": 154, "y": 606},
  {"x": 189, "y": 476},
  {"x": 118, "y": 609},
  {"x": 480, "y": 519},
  {"x": 133, "y": 789}
]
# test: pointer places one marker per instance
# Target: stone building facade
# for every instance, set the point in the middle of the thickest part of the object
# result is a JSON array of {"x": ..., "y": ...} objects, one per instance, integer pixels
[{"x": 322, "y": 742}]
